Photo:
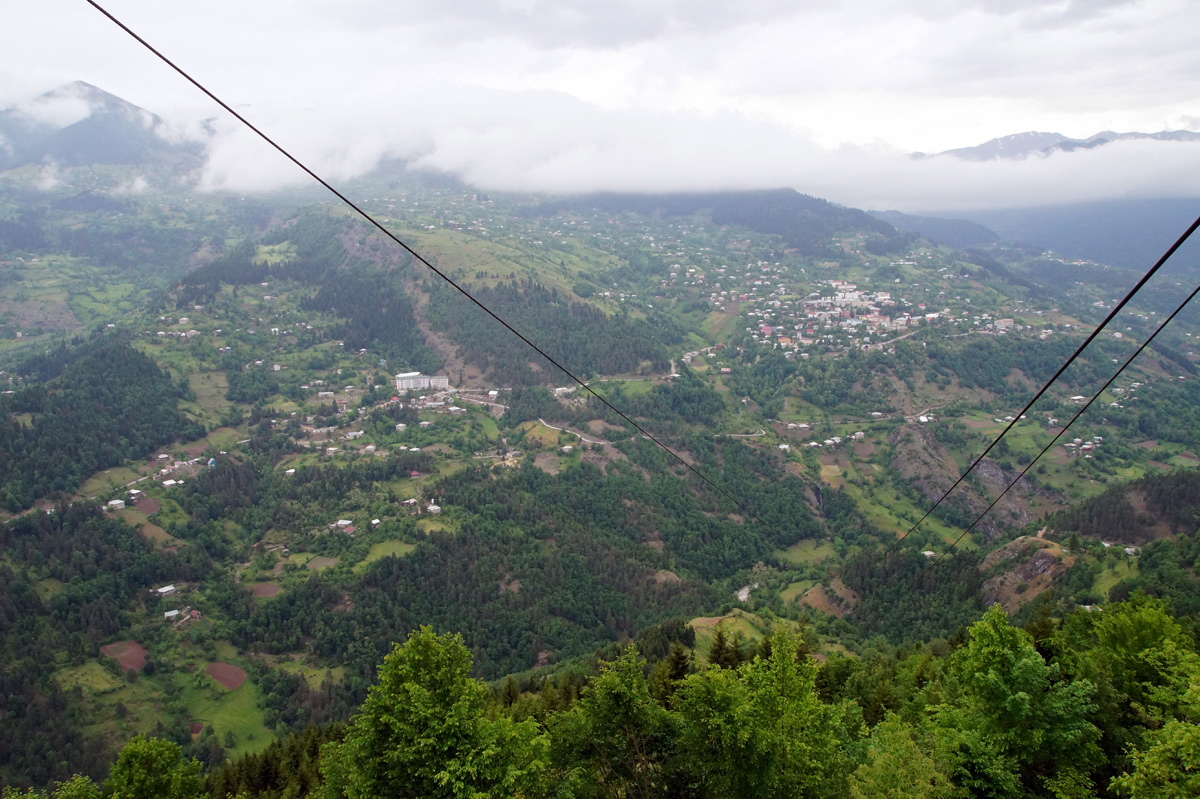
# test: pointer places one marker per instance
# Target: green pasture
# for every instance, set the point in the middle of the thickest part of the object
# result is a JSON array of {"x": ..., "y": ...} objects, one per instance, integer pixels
[
  {"x": 235, "y": 711},
  {"x": 381, "y": 550},
  {"x": 795, "y": 590},
  {"x": 107, "y": 480},
  {"x": 806, "y": 551},
  {"x": 313, "y": 675},
  {"x": 92, "y": 677},
  {"x": 1107, "y": 579}
]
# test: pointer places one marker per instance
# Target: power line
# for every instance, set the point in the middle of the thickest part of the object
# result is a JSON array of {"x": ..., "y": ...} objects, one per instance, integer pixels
[
  {"x": 1072, "y": 420},
  {"x": 1018, "y": 416},
  {"x": 419, "y": 257}
]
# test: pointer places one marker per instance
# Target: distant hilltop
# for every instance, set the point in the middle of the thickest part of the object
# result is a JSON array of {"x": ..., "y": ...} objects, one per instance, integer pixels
[
  {"x": 80, "y": 125},
  {"x": 1023, "y": 145}
]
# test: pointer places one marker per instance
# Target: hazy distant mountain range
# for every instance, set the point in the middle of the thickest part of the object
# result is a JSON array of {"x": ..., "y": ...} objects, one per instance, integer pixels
[
  {"x": 1023, "y": 145},
  {"x": 79, "y": 124}
]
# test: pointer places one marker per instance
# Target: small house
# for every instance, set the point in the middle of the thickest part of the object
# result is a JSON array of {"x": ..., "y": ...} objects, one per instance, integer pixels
[{"x": 116, "y": 504}]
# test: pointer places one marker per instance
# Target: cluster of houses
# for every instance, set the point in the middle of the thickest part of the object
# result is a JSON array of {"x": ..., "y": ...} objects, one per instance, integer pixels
[
  {"x": 169, "y": 472},
  {"x": 175, "y": 617},
  {"x": 1085, "y": 448}
]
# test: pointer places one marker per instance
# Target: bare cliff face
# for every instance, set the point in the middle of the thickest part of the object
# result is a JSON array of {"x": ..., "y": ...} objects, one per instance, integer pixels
[
  {"x": 1023, "y": 568},
  {"x": 929, "y": 466}
]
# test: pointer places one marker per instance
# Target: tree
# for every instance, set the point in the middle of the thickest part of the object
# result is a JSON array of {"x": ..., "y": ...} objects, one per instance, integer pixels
[
  {"x": 152, "y": 768},
  {"x": 616, "y": 732},
  {"x": 669, "y": 672},
  {"x": 808, "y": 739},
  {"x": 896, "y": 767},
  {"x": 724, "y": 653},
  {"x": 78, "y": 787},
  {"x": 724, "y": 750},
  {"x": 1170, "y": 765},
  {"x": 1011, "y": 725},
  {"x": 421, "y": 733},
  {"x": 1140, "y": 659}
]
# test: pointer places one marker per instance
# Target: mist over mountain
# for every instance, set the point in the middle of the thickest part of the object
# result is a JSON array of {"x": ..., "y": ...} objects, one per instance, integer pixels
[
  {"x": 79, "y": 125},
  {"x": 1039, "y": 188}
]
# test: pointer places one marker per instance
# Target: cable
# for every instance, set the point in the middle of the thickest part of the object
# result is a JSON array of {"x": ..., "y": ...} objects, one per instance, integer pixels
[
  {"x": 1017, "y": 417},
  {"x": 418, "y": 257},
  {"x": 1078, "y": 413}
]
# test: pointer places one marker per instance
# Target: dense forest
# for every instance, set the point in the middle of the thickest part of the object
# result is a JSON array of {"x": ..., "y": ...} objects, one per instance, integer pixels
[
  {"x": 88, "y": 407},
  {"x": 1101, "y": 704},
  {"x": 579, "y": 336},
  {"x": 98, "y": 569}
]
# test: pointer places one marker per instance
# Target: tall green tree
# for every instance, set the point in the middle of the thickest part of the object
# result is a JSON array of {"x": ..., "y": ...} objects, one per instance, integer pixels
[
  {"x": 1170, "y": 765},
  {"x": 152, "y": 768},
  {"x": 421, "y": 733},
  {"x": 897, "y": 767},
  {"x": 1011, "y": 725},
  {"x": 810, "y": 741},
  {"x": 616, "y": 740}
]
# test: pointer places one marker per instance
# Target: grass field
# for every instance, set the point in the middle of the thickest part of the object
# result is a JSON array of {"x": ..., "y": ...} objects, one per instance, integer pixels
[
  {"x": 47, "y": 588},
  {"x": 235, "y": 711},
  {"x": 806, "y": 551},
  {"x": 749, "y": 626},
  {"x": 107, "y": 480},
  {"x": 795, "y": 590},
  {"x": 210, "y": 388},
  {"x": 892, "y": 513},
  {"x": 631, "y": 388},
  {"x": 275, "y": 253},
  {"x": 312, "y": 675},
  {"x": 146, "y": 528},
  {"x": 488, "y": 426},
  {"x": 91, "y": 677},
  {"x": 382, "y": 550},
  {"x": 428, "y": 526},
  {"x": 1108, "y": 578},
  {"x": 538, "y": 435},
  {"x": 169, "y": 512}
]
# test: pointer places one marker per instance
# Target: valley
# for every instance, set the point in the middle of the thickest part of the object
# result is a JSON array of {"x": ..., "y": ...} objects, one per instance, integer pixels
[{"x": 201, "y": 394}]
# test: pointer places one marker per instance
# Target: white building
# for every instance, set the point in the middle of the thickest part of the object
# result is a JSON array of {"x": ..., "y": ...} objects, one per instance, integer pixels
[{"x": 408, "y": 381}]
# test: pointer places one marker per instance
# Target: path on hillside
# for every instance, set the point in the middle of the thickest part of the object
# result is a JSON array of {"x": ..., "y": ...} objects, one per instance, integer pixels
[
  {"x": 761, "y": 432},
  {"x": 580, "y": 436}
]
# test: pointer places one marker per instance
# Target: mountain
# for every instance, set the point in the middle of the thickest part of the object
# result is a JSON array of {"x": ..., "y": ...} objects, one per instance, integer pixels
[
  {"x": 1131, "y": 233},
  {"x": 805, "y": 223},
  {"x": 81, "y": 125},
  {"x": 957, "y": 233},
  {"x": 1023, "y": 145}
]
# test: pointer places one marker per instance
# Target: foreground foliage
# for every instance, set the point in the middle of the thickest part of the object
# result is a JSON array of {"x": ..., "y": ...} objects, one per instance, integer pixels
[{"x": 994, "y": 718}]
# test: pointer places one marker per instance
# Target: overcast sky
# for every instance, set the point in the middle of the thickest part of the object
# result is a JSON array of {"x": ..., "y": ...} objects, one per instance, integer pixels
[{"x": 577, "y": 95}]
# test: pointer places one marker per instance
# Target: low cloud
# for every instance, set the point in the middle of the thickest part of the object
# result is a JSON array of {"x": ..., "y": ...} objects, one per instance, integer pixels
[
  {"x": 47, "y": 178},
  {"x": 554, "y": 143}
]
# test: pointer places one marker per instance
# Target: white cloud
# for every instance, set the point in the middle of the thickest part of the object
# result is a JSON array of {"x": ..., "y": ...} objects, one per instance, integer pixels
[{"x": 573, "y": 95}]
